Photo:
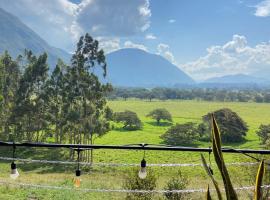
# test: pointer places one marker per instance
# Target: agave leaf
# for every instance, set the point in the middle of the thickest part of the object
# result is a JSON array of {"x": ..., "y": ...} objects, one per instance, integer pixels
[
  {"x": 212, "y": 178},
  {"x": 208, "y": 196},
  {"x": 259, "y": 179},
  {"x": 216, "y": 142}
]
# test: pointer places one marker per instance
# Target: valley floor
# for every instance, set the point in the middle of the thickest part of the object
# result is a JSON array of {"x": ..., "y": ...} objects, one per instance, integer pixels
[{"x": 113, "y": 177}]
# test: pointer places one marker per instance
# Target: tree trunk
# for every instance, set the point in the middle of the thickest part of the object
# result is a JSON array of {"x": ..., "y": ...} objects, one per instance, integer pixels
[{"x": 91, "y": 151}]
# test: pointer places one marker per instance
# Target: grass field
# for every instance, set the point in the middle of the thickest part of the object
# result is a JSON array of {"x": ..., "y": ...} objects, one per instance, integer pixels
[{"x": 112, "y": 177}]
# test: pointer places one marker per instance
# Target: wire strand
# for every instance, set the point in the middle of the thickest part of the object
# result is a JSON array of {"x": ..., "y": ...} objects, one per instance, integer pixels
[
  {"x": 123, "y": 164},
  {"x": 29, "y": 185}
]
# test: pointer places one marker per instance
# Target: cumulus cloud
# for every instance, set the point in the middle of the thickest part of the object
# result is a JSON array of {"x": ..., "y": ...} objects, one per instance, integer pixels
[
  {"x": 150, "y": 36},
  {"x": 129, "y": 44},
  {"x": 233, "y": 57},
  {"x": 54, "y": 19},
  {"x": 114, "y": 17},
  {"x": 263, "y": 9},
  {"x": 109, "y": 44},
  {"x": 164, "y": 50}
]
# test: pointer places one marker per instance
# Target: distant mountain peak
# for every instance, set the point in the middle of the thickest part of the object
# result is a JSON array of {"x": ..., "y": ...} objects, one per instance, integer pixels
[
  {"x": 236, "y": 79},
  {"x": 137, "y": 68}
]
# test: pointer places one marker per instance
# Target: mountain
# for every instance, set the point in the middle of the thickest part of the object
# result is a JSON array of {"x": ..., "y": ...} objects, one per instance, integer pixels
[
  {"x": 237, "y": 79},
  {"x": 16, "y": 37},
  {"x": 132, "y": 67}
]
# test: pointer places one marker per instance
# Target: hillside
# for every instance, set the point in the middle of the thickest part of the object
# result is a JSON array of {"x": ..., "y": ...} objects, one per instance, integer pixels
[
  {"x": 237, "y": 79},
  {"x": 16, "y": 36},
  {"x": 137, "y": 68}
]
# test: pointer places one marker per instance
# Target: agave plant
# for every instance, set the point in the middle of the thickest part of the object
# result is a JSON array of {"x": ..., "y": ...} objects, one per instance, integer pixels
[{"x": 229, "y": 190}]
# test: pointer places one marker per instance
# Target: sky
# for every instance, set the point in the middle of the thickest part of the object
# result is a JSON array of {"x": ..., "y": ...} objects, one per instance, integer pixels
[{"x": 204, "y": 38}]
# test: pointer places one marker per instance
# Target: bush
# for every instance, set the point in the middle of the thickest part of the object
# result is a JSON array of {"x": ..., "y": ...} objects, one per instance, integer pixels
[
  {"x": 133, "y": 182},
  {"x": 130, "y": 120},
  {"x": 180, "y": 134},
  {"x": 204, "y": 132},
  {"x": 160, "y": 114},
  {"x": 264, "y": 133},
  {"x": 176, "y": 183},
  {"x": 232, "y": 127}
]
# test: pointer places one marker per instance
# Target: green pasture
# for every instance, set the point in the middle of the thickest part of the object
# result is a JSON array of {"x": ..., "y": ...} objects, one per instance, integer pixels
[{"x": 112, "y": 177}]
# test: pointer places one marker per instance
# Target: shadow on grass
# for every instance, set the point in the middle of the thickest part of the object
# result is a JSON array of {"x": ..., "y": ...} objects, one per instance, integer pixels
[
  {"x": 161, "y": 124},
  {"x": 234, "y": 144},
  {"x": 181, "y": 145},
  {"x": 121, "y": 129}
]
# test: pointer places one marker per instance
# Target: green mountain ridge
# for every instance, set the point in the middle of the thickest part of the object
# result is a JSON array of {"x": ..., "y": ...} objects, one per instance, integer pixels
[{"x": 15, "y": 37}]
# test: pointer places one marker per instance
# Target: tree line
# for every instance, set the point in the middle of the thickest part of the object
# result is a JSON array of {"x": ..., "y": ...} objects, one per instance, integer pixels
[
  {"x": 67, "y": 104},
  {"x": 203, "y": 94}
]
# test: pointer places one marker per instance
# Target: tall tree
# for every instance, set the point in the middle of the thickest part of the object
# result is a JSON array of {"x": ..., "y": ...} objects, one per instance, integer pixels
[
  {"x": 57, "y": 100},
  {"x": 9, "y": 77},
  {"x": 29, "y": 112},
  {"x": 86, "y": 92}
]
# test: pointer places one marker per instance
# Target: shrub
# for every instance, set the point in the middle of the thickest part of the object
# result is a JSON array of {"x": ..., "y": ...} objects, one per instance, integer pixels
[
  {"x": 160, "y": 114},
  {"x": 204, "y": 132},
  {"x": 264, "y": 133},
  {"x": 130, "y": 120},
  {"x": 180, "y": 134},
  {"x": 176, "y": 183},
  {"x": 133, "y": 182},
  {"x": 232, "y": 127}
]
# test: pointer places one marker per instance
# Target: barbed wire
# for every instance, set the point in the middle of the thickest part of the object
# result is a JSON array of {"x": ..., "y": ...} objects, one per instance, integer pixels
[
  {"x": 122, "y": 164},
  {"x": 101, "y": 190}
]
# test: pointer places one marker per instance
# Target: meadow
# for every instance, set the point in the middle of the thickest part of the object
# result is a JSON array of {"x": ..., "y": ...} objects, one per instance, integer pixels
[{"x": 112, "y": 177}]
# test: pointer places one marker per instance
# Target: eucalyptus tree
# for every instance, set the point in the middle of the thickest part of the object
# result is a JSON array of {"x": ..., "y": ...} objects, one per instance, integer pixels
[
  {"x": 57, "y": 100},
  {"x": 9, "y": 78},
  {"x": 86, "y": 93},
  {"x": 29, "y": 113}
]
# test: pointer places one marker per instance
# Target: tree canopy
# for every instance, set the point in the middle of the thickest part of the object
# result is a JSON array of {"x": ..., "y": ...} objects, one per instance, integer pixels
[
  {"x": 129, "y": 119},
  {"x": 160, "y": 114},
  {"x": 264, "y": 133},
  {"x": 232, "y": 127},
  {"x": 180, "y": 134}
]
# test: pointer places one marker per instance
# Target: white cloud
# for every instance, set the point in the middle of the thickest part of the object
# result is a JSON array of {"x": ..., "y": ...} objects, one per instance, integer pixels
[
  {"x": 233, "y": 57},
  {"x": 263, "y": 9},
  {"x": 109, "y": 44},
  {"x": 150, "y": 36},
  {"x": 114, "y": 17},
  {"x": 171, "y": 21},
  {"x": 164, "y": 50},
  {"x": 61, "y": 22},
  {"x": 129, "y": 44}
]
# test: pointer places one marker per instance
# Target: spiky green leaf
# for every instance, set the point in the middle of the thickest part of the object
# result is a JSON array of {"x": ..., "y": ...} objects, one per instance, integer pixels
[
  {"x": 208, "y": 196},
  {"x": 259, "y": 180},
  {"x": 212, "y": 177},
  {"x": 216, "y": 142}
]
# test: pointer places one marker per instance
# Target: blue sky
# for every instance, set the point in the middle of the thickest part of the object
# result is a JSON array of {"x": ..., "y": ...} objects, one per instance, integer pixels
[{"x": 205, "y": 38}]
